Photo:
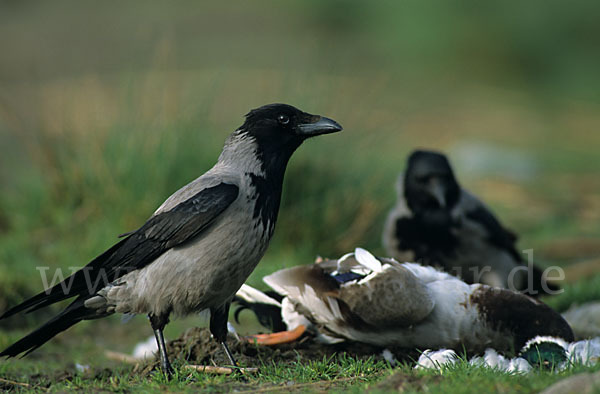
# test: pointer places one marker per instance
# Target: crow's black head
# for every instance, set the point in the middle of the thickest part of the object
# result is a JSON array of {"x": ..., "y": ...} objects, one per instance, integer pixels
[
  {"x": 275, "y": 131},
  {"x": 429, "y": 183},
  {"x": 281, "y": 127}
]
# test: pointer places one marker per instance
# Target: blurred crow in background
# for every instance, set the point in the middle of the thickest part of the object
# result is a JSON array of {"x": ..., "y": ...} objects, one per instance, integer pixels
[{"x": 436, "y": 222}]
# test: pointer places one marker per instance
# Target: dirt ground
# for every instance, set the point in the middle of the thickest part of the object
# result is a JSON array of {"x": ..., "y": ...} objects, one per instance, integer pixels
[{"x": 196, "y": 346}]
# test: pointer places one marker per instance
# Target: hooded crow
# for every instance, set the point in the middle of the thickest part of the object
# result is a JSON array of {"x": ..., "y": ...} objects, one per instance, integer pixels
[
  {"x": 381, "y": 302},
  {"x": 436, "y": 222},
  {"x": 199, "y": 246}
]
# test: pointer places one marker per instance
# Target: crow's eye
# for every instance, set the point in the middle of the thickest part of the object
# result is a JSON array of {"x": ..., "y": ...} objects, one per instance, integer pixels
[{"x": 283, "y": 119}]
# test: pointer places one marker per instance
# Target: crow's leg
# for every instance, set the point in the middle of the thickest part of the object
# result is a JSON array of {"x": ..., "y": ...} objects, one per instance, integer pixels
[
  {"x": 218, "y": 328},
  {"x": 230, "y": 355},
  {"x": 158, "y": 324}
]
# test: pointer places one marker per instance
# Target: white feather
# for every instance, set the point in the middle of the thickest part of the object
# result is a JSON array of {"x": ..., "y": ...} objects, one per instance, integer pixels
[
  {"x": 431, "y": 359},
  {"x": 426, "y": 273},
  {"x": 586, "y": 352},
  {"x": 82, "y": 368},
  {"x": 389, "y": 357},
  {"x": 542, "y": 338},
  {"x": 145, "y": 349},
  {"x": 491, "y": 359},
  {"x": 494, "y": 360},
  {"x": 328, "y": 339},
  {"x": 335, "y": 308},
  {"x": 366, "y": 259},
  {"x": 319, "y": 309},
  {"x": 340, "y": 270},
  {"x": 292, "y": 318},
  {"x": 519, "y": 365},
  {"x": 251, "y": 294}
]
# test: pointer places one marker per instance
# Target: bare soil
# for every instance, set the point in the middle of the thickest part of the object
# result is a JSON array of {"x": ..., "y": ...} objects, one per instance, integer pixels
[{"x": 196, "y": 346}]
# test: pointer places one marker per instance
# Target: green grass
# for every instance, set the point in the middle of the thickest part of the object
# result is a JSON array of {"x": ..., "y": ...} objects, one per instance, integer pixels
[
  {"x": 107, "y": 109},
  {"x": 577, "y": 293},
  {"x": 338, "y": 372}
]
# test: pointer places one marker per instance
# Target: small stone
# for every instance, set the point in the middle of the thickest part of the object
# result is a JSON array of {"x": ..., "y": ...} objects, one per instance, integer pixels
[
  {"x": 583, "y": 383},
  {"x": 584, "y": 319}
]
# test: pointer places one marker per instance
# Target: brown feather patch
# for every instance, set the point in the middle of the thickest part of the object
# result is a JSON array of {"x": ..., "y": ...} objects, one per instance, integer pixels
[{"x": 519, "y": 314}]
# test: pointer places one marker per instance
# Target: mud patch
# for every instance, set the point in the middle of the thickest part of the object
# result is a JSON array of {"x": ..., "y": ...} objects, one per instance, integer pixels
[
  {"x": 196, "y": 346},
  {"x": 43, "y": 381}
]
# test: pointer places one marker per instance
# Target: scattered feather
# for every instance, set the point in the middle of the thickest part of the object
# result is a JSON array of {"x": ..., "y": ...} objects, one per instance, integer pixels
[
  {"x": 389, "y": 357},
  {"x": 585, "y": 352},
  {"x": 145, "y": 349},
  {"x": 436, "y": 359},
  {"x": 82, "y": 368},
  {"x": 492, "y": 359}
]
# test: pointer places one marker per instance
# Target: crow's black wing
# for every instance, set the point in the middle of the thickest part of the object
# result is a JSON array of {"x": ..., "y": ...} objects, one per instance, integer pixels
[
  {"x": 506, "y": 240},
  {"x": 496, "y": 234},
  {"x": 160, "y": 233}
]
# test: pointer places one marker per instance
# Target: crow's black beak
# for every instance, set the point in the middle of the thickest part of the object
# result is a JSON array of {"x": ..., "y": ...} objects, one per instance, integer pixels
[
  {"x": 438, "y": 191},
  {"x": 322, "y": 125}
]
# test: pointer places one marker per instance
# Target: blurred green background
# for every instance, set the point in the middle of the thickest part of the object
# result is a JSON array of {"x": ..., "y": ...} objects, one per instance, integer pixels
[{"x": 108, "y": 107}]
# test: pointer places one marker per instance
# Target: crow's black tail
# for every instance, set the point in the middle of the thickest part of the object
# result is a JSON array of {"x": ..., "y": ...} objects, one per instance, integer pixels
[
  {"x": 268, "y": 313},
  {"x": 72, "y": 314},
  {"x": 76, "y": 284}
]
